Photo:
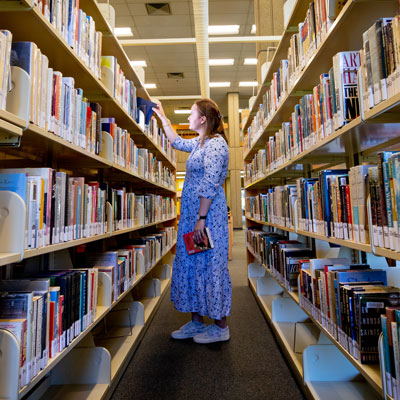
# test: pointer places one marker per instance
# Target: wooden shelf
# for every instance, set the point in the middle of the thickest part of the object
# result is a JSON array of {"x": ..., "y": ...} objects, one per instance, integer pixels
[
  {"x": 340, "y": 242},
  {"x": 338, "y": 39},
  {"x": 72, "y": 243},
  {"x": 9, "y": 258},
  {"x": 12, "y": 118},
  {"x": 42, "y": 142},
  {"x": 370, "y": 372}
]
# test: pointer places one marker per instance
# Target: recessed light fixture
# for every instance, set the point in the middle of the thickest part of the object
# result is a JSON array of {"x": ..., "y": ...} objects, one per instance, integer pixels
[
  {"x": 220, "y": 84},
  {"x": 221, "y": 61},
  {"x": 249, "y": 84},
  {"x": 182, "y": 111},
  {"x": 123, "y": 32},
  {"x": 223, "y": 29},
  {"x": 150, "y": 86},
  {"x": 253, "y": 29},
  {"x": 138, "y": 63},
  {"x": 250, "y": 61}
]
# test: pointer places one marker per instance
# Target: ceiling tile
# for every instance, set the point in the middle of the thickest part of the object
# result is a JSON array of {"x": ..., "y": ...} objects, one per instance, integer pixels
[
  {"x": 235, "y": 7},
  {"x": 121, "y": 9},
  {"x": 124, "y": 20},
  {"x": 161, "y": 22},
  {"x": 227, "y": 19},
  {"x": 137, "y": 9},
  {"x": 148, "y": 32},
  {"x": 181, "y": 7}
]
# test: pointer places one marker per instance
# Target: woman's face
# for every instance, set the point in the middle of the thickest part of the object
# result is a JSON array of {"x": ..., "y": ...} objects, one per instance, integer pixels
[{"x": 196, "y": 121}]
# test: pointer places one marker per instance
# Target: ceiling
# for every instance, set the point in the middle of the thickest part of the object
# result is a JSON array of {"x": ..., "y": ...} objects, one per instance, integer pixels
[{"x": 183, "y": 58}]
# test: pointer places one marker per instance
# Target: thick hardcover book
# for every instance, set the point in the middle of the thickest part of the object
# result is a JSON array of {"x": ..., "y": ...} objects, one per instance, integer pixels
[{"x": 192, "y": 247}]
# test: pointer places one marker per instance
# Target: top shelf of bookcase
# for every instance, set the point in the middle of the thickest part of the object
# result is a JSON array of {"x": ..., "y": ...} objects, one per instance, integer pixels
[
  {"x": 297, "y": 16},
  {"x": 342, "y": 36}
]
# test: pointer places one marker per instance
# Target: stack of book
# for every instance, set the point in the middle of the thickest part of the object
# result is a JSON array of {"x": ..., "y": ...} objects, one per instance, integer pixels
[{"x": 46, "y": 313}]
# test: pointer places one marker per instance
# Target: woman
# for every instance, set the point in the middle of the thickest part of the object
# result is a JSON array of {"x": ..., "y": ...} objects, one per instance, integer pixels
[{"x": 201, "y": 283}]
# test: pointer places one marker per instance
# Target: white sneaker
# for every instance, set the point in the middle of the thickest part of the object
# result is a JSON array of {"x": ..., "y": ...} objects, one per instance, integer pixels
[
  {"x": 189, "y": 330},
  {"x": 213, "y": 333}
]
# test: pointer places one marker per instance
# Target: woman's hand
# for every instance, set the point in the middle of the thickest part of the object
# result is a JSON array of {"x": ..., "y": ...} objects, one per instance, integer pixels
[
  {"x": 199, "y": 235},
  {"x": 158, "y": 109}
]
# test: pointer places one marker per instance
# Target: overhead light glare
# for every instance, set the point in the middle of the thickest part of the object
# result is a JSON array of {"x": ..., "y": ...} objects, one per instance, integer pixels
[
  {"x": 248, "y": 84},
  {"x": 182, "y": 111},
  {"x": 138, "y": 63},
  {"x": 123, "y": 32},
  {"x": 150, "y": 86},
  {"x": 253, "y": 29},
  {"x": 250, "y": 61},
  {"x": 220, "y": 84},
  {"x": 221, "y": 61},
  {"x": 223, "y": 29}
]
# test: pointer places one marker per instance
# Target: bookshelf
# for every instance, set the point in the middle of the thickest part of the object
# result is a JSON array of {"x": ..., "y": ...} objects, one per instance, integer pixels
[
  {"x": 95, "y": 358},
  {"x": 303, "y": 336}
]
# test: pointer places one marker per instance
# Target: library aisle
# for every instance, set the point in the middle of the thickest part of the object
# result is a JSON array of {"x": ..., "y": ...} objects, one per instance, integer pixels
[{"x": 249, "y": 366}]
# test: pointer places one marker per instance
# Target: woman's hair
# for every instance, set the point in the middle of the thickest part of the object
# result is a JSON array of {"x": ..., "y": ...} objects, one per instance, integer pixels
[{"x": 214, "y": 119}]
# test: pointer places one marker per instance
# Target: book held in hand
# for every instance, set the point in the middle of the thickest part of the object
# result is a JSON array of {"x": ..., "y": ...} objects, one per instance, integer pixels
[{"x": 192, "y": 247}]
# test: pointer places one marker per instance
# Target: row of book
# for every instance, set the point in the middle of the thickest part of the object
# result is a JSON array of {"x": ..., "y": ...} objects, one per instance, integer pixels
[
  {"x": 138, "y": 160},
  {"x": 61, "y": 208},
  {"x": 47, "y": 311},
  {"x": 380, "y": 60},
  {"x": 159, "y": 137},
  {"x": 333, "y": 103},
  {"x": 347, "y": 299},
  {"x": 371, "y": 74},
  {"x": 335, "y": 203},
  {"x": 77, "y": 28}
]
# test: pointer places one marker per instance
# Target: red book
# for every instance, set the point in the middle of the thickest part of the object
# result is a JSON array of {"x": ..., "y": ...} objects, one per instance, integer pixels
[
  {"x": 192, "y": 247},
  {"x": 51, "y": 330}
]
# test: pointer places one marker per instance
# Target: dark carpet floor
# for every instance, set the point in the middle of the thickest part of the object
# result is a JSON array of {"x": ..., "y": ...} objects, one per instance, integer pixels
[{"x": 248, "y": 367}]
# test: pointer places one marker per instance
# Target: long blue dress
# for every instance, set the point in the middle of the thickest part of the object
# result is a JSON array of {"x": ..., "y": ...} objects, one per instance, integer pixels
[{"x": 201, "y": 282}]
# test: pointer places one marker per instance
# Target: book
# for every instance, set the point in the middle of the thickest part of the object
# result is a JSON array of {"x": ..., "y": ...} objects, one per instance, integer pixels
[{"x": 192, "y": 247}]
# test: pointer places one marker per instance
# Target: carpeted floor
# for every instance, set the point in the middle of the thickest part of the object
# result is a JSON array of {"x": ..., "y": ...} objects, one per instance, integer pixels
[{"x": 250, "y": 366}]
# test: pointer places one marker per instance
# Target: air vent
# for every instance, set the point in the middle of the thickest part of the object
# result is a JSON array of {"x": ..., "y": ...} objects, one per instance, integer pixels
[
  {"x": 175, "y": 75},
  {"x": 158, "y": 9}
]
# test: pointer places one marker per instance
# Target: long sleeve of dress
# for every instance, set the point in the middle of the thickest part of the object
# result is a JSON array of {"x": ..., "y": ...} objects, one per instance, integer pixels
[
  {"x": 184, "y": 144},
  {"x": 216, "y": 160}
]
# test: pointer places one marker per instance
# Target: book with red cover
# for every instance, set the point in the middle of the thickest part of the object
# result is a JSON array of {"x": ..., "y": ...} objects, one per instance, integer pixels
[{"x": 192, "y": 247}]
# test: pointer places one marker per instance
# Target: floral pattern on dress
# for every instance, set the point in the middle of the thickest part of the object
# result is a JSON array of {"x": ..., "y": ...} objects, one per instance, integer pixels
[{"x": 201, "y": 282}]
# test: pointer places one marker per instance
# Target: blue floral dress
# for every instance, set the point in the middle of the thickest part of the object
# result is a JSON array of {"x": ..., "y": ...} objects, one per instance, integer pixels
[{"x": 201, "y": 282}]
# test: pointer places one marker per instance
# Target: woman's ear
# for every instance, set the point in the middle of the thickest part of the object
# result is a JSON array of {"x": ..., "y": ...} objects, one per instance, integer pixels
[{"x": 203, "y": 119}]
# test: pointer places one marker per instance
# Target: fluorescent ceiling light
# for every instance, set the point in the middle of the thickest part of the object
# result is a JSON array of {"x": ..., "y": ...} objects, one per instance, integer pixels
[
  {"x": 123, "y": 32},
  {"x": 221, "y": 61},
  {"x": 223, "y": 29},
  {"x": 250, "y": 61},
  {"x": 253, "y": 29},
  {"x": 240, "y": 109},
  {"x": 220, "y": 84},
  {"x": 150, "y": 86},
  {"x": 251, "y": 84},
  {"x": 182, "y": 111},
  {"x": 138, "y": 63}
]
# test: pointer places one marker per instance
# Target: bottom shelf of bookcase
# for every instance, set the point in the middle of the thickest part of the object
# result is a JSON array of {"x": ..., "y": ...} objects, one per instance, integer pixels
[
  {"x": 76, "y": 392},
  {"x": 308, "y": 347},
  {"x": 340, "y": 390}
]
